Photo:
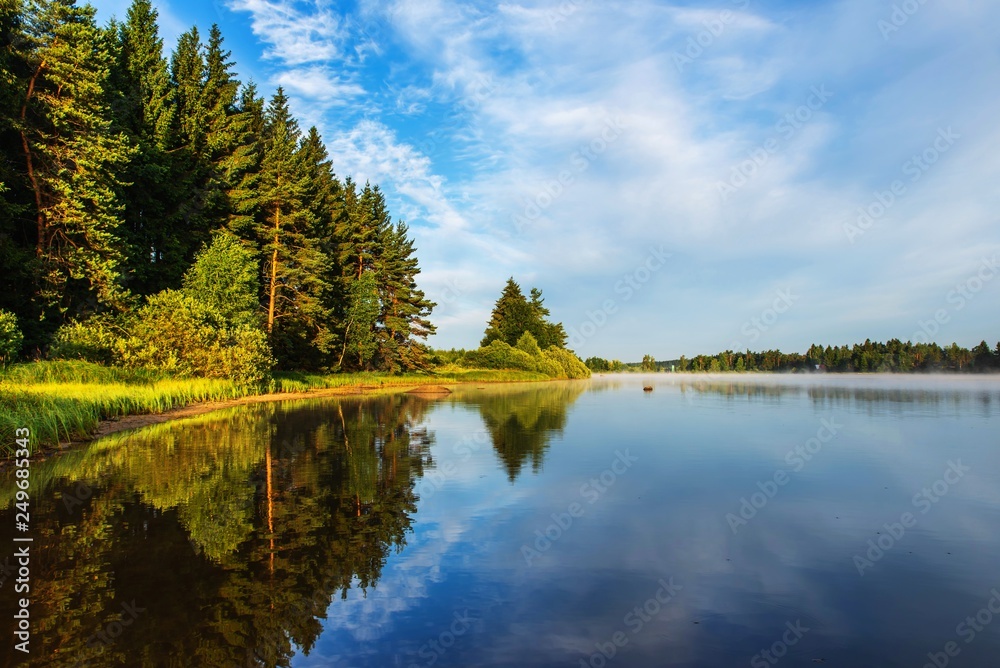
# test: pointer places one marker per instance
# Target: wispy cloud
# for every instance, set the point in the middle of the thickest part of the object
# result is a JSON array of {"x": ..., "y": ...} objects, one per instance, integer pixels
[{"x": 295, "y": 33}]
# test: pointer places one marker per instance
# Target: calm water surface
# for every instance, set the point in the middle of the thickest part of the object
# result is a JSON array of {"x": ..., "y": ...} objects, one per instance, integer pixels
[{"x": 752, "y": 521}]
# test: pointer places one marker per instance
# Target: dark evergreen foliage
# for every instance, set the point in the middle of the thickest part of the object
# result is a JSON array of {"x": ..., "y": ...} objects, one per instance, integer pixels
[{"x": 118, "y": 167}]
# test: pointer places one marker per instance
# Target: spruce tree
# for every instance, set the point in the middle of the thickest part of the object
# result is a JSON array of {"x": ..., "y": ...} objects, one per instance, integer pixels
[
  {"x": 324, "y": 198},
  {"x": 243, "y": 165},
  {"x": 547, "y": 333},
  {"x": 511, "y": 317},
  {"x": 191, "y": 169},
  {"x": 145, "y": 113},
  {"x": 227, "y": 143}
]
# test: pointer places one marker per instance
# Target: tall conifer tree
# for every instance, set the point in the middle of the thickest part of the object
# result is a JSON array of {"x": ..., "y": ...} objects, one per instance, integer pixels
[
  {"x": 73, "y": 160},
  {"x": 145, "y": 112},
  {"x": 294, "y": 265}
]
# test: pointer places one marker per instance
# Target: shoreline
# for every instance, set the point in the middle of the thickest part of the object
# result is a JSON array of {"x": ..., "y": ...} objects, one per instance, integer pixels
[{"x": 140, "y": 420}]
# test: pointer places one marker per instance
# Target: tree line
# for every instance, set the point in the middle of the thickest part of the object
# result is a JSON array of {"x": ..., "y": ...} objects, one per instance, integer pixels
[
  {"x": 894, "y": 356},
  {"x": 139, "y": 188}
]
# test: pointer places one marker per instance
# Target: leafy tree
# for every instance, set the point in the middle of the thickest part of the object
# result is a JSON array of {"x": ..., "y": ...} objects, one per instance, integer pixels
[
  {"x": 94, "y": 339},
  {"x": 362, "y": 314},
  {"x": 225, "y": 278},
  {"x": 10, "y": 338},
  {"x": 529, "y": 344},
  {"x": 649, "y": 363},
  {"x": 597, "y": 364},
  {"x": 177, "y": 333}
]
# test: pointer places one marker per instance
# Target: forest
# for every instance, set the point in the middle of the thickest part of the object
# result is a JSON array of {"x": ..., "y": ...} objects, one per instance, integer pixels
[
  {"x": 893, "y": 356},
  {"x": 159, "y": 213}
]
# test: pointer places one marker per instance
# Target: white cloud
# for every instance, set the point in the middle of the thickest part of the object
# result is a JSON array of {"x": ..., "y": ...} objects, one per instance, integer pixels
[
  {"x": 295, "y": 35},
  {"x": 319, "y": 83}
]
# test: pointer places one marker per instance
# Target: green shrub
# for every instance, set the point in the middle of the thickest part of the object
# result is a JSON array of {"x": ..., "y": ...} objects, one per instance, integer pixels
[
  {"x": 499, "y": 355},
  {"x": 529, "y": 344},
  {"x": 549, "y": 366},
  {"x": 569, "y": 363},
  {"x": 179, "y": 334},
  {"x": 11, "y": 338},
  {"x": 91, "y": 340}
]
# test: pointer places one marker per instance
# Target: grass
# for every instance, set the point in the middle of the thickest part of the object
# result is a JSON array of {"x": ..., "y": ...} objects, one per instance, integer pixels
[{"x": 63, "y": 401}]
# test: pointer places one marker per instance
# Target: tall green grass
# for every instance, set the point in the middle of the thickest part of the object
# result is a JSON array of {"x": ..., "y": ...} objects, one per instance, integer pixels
[
  {"x": 61, "y": 411},
  {"x": 66, "y": 400}
]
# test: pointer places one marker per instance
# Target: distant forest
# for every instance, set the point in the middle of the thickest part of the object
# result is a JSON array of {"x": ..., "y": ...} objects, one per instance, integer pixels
[
  {"x": 869, "y": 357},
  {"x": 152, "y": 205}
]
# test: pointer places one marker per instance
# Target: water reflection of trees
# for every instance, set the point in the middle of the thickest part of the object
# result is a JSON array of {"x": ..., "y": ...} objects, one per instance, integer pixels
[
  {"x": 523, "y": 420},
  {"x": 233, "y": 531}
]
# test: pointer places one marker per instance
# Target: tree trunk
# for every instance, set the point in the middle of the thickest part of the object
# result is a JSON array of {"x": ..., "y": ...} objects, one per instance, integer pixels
[
  {"x": 40, "y": 215},
  {"x": 274, "y": 271}
]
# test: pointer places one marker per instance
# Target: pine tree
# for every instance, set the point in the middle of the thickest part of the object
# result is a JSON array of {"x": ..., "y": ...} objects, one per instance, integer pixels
[
  {"x": 17, "y": 229},
  {"x": 145, "y": 114},
  {"x": 294, "y": 265},
  {"x": 73, "y": 159},
  {"x": 243, "y": 166},
  {"x": 547, "y": 333},
  {"x": 404, "y": 307},
  {"x": 513, "y": 315},
  {"x": 366, "y": 218}
]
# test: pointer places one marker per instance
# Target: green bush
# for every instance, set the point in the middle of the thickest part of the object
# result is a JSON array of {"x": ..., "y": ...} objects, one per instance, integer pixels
[
  {"x": 569, "y": 363},
  {"x": 499, "y": 355},
  {"x": 554, "y": 362},
  {"x": 11, "y": 338},
  {"x": 91, "y": 340},
  {"x": 179, "y": 334},
  {"x": 549, "y": 366},
  {"x": 529, "y": 344}
]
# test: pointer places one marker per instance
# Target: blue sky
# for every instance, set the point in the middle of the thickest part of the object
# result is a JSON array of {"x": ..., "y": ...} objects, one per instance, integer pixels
[{"x": 678, "y": 178}]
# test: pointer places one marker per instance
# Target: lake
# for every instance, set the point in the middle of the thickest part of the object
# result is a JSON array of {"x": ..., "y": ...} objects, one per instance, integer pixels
[{"x": 716, "y": 521}]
